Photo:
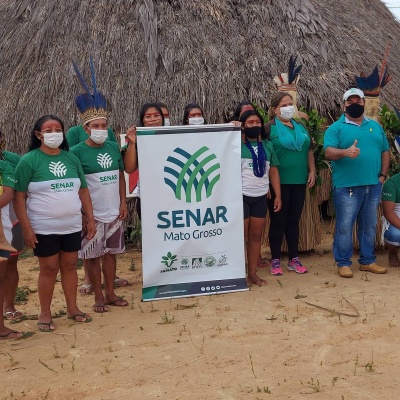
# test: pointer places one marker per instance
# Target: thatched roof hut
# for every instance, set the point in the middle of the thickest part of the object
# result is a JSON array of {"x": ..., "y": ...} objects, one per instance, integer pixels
[{"x": 216, "y": 52}]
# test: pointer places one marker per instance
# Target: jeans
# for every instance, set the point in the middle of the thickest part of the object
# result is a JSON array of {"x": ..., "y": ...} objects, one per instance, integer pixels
[
  {"x": 392, "y": 236},
  {"x": 355, "y": 203}
]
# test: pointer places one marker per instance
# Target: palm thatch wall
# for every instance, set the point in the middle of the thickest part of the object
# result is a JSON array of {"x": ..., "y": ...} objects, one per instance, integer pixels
[{"x": 216, "y": 52}]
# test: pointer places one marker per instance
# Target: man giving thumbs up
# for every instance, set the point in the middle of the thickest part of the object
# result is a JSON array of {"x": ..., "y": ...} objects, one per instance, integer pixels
[{"x": 360, "y": 158}]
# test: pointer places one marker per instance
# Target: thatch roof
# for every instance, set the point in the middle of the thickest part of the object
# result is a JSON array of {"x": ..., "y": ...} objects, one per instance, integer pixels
[{"x": 216, "y": 52}]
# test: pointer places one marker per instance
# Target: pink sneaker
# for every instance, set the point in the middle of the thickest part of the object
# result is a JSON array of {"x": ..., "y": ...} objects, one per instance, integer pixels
[
  {"x": 276, "y": 267},
  {"x": 296, "y": 266}
]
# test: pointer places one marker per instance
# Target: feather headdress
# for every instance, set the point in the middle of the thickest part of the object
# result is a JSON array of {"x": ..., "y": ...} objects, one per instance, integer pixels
[
  {"x": 90, "y": 106},
  {"x": 372, "y": 84},
  {"x": 288, "y": 81}
]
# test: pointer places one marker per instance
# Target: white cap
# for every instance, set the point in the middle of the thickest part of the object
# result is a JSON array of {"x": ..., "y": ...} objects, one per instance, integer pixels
[{"x": 353, "y": 92}]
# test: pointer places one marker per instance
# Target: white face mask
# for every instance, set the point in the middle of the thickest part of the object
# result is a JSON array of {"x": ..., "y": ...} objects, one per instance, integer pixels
[
  {"x": 167, "y": 122},
  {"x": 196, "y": 121},
  {"x": 53, "y": 139},
  {"x": 287, "y": 112},
  {"x": 98, "y": 136}
]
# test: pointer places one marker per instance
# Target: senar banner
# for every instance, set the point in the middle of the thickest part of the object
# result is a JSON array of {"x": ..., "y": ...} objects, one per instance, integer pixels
[{"x": 192, "y": 211}]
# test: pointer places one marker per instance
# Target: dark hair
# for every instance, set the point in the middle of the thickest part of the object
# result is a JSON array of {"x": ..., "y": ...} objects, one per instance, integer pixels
[
  {"x": 145, "y": 107},
  {"x": 248, "y": 114},
  {"x": 189, "y": 107},
  {"x": 36, "y": 143},
  {"x": 236, "y": 115},
  {"x": 161, "y": 105},
  {"x": 275, "y": 100}
]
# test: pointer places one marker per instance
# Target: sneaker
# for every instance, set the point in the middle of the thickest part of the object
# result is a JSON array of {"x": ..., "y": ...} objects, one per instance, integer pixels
[
  {"x": 296, "y": 266},
  {"x": 276, "y": 267}
]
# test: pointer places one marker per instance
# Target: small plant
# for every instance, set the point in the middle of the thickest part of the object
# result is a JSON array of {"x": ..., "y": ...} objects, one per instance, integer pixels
[
  {"x": 167, "y": 319},
  {"x": 355, "y": 365},
  {"x": 252, "y": 366},
  {"x": 56, "y": 355},
  {"x": 364, "y": 277},
  {"x": 46, "y": 366},
  {"x": 314, "y": 385},
  {"x": 369, "y": 367},
  {"x": 334, "y": 379},
  {"x": 26, "y": 253},
  {"x": 264, "y": 389},
  {"x": 132, "y": 267},
  {"x": 21, "y": 295},
  {"x": 13, "y": 363},
  {"x": 299, "y": 296},
  {"x": 79, "y": 264}
]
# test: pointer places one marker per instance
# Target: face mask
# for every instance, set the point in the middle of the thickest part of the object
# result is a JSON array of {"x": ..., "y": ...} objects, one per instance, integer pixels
[
  {"x": 252, "y": 133},
  {"x": 287, "y": 112},
  {"x": 355, "y": 110},
  {"x": 53, "y": 139},
  {"x": 196, "y": 121},
  {"x": 167, "y": 122},
  {"x": 98, "y": 136}
]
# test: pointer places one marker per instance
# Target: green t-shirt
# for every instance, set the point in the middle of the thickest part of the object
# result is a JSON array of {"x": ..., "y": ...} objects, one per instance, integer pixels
[
  {"x": 371, "y": 140},
  {"x": 293, "y": 164},
  {"x": 52, "y": 184},
  {"x": 391, "y": 189},
  {"x": 12, "y": 158},
  {"x": 252, "y": 185},
  {"x": 7, "y": 174},
  {"x": 101, "y": 166},
  {"x": 77, "y": 134}
]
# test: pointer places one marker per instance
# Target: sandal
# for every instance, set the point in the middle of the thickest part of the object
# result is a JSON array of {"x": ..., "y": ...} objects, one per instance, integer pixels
[
  {"x": 7, "y": 335},
  {"x": 50, "y": 326},
  {"x": 86, "y": 288},
  {"x": 84, "y": 315},
  {"x": 118, "y": 303},
  {"x": 259, "y": 282},
  {"x": 13, "y": 314},
  {"x": 119, "y": 282},
  {"x": 99, "y": 308}
]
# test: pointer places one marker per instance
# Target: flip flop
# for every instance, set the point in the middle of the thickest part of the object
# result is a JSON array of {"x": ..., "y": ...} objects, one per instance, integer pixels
[
  {"x": 259, "y": 282},
  {"x": 48, "y": 324},
  {"x": 99, "y": 309},
  {"x": 86, "y": 288},
  {"x": 118, "y": 303},
  {"x": 6, "y": 335},
  {"x": 84, "y": 315},
  {"x": 119, "y": 282},
  {"x": 12, "y": 315}
]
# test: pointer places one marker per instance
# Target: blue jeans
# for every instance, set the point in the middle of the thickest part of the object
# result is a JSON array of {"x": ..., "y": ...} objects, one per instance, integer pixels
[
  {"x": 358, "y": 203},
  {"x": 392, "y": 236}
]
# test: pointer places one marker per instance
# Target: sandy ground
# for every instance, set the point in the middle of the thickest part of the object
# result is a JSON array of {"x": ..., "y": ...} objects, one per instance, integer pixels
[{"x": 266, "y": 343}]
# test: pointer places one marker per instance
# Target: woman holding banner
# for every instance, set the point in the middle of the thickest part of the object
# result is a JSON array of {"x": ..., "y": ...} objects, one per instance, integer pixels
[
  {"x": 151, "y": 114},
  {"x": 259, "y": 169},
  {"x": 193, "y": 115}
]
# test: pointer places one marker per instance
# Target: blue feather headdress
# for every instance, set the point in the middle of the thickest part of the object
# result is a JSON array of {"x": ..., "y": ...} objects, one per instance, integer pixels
[
  {"x": 288, "y": 80},
  {"x": 372, "y": 84},
  {"x": 90, "y": 106}
]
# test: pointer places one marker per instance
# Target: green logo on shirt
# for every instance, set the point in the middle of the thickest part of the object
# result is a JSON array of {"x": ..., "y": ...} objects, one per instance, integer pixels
[{"x": 192, "y": 174}]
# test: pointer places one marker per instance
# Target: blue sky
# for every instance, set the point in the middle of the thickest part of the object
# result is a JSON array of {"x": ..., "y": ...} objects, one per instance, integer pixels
[{"x": 394, "y": 7}]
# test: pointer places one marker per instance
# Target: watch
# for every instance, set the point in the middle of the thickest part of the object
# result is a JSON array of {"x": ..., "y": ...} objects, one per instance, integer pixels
[{"x": 385, "y": 176}]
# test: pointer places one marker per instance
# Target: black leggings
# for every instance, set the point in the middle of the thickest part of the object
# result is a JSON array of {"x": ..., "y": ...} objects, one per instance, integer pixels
[{"x": 286, "y": 221}]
